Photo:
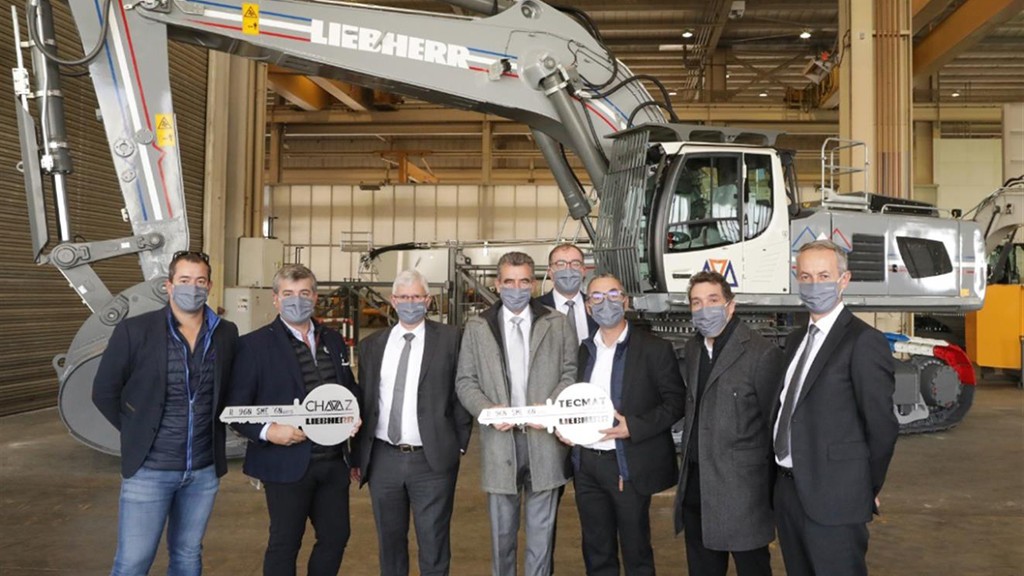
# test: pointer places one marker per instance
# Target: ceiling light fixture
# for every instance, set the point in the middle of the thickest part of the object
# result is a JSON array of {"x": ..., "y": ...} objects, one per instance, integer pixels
[
  {"x": 671, "y": 93},
  {"x": 955, "y": 94},
  {"x": 805, "y": 34},
  {"x": 763, "y": 94},
  {"x": 688, "y": 33}
]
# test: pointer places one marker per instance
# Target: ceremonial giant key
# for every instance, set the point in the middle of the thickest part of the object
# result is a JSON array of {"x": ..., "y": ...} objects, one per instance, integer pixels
[
  {"x": 579, "y": 412},
  {"x": 328, "y": 414}
]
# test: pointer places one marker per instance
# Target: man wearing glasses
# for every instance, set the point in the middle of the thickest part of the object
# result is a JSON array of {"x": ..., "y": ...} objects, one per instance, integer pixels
[
  {"x": 724, "y": 498},
  {"x": 518, "y": 353},
  {"x": 160, "y": 383},
  {"x": 415, "y": 430},
  {"x": 565, "y": 268},
  {"x": 277, "y": 364},
  {"x": 616, "y": 476}
]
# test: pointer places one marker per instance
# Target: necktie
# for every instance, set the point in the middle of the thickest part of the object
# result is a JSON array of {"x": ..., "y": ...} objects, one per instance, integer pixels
[
  {"x": 517, "y": 363},
  {"x": 571, "y": 315},
  {"x": 782, "y": 438},
  {"x": 398, "y": 396}
]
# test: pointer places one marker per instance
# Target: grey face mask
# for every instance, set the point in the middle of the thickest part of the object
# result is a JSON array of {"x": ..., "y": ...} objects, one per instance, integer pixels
[
  {"x": 411, "y": 313},
  {"x": 296, "y": 309},
  {"x": 189, "y": 297},
  {"x": 711, "y": 320},
  {"x": 515, "y": 299},
  {"x": 608, "y": 314},
  {"x": 567, "y": 281},
  {"x": 819, "y": 297}
]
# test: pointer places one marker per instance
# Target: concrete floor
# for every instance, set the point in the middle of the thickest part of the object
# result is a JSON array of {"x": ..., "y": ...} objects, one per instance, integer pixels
[{"x": 953, "y": 504}]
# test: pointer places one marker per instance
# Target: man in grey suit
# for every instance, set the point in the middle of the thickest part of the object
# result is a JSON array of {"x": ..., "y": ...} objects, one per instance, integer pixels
[
  {"x": 834, "y": 428},
  {"x": 415, "y": 431},
  {"x": 724, "y": 497},
  {"x": 518, "y": 353}
]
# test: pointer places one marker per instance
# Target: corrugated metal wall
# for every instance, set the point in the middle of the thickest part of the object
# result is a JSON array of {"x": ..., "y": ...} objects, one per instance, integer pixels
[
  {"x": 319, "y": 219},
  {"x": 39, "y": 313}
]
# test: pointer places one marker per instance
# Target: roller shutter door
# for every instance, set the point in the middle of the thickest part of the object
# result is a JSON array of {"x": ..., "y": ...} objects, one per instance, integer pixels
[{"x": 39, "y": 312}]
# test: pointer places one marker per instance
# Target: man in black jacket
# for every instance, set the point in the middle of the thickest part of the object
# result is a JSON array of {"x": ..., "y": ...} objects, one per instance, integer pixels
[
  {"x": 160, "y": 383},
  {"x": 834, "y": 428},
  {"x": 616, "y": 476},
  {"x": 723, "y": 502},
  {"x": 275, "y": 365},
  {"x": 415, "y": 430}
]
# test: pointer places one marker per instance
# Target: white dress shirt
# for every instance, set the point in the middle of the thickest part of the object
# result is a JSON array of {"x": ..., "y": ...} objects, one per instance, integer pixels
[
  {"x": 310, "y": 336},
  {"x": 506, "y": 321},
  {"x": 601, "y": 376},
  {"x": 582, "y": 328},
  {"x": 824, "y": 325},
  {"x": 388, "y": 371}
]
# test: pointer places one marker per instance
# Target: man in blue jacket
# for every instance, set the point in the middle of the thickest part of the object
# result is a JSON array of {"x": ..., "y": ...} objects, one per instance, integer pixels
[
  {"x": 277, "y": 364},
  {"x": 161, "y": 383}
]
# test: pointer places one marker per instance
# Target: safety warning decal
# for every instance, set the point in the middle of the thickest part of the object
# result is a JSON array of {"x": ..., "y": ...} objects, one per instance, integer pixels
[
  {"x": 251, "y": 19},
  {"x": 165, "y": 130}
]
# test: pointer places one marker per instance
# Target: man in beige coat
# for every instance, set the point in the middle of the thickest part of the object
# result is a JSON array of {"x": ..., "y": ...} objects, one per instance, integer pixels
[{"x": 518, "y": 353}]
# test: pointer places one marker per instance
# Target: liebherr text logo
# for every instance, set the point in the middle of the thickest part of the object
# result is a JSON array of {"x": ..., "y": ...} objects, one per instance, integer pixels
[{"x": 388, "y": 43}]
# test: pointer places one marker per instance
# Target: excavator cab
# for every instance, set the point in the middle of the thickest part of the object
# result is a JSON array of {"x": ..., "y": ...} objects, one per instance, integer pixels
[{"x": 715, "y": 199}]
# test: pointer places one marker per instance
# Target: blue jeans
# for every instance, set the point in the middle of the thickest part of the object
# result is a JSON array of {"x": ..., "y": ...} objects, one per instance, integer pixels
[{"x": 151, "y": 499}]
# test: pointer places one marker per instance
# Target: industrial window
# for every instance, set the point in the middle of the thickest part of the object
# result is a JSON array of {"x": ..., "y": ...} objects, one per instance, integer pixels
[
  {"x": 707, "y": 201},
  {"x": 924, "y": 258}
]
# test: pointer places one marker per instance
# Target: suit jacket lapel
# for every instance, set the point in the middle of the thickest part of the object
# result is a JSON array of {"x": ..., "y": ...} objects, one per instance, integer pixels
[
  {"x": 159, "y": 336},
  {"x": 537, "y": 333},
  {"x": 429, "y": 335},
  {"x": 375, "y": 362},
  {"x": 728, "y": 356},
  {"x": 835, "y": 336},
  {"x": 791, "y": 346},
  {"x": 290, "y": 360},
  {"x": 693, "y": 366}
]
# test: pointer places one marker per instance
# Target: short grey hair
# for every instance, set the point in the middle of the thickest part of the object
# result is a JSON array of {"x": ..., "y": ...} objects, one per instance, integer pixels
[
  {"x": 515, "y": 259},
  {"x": 410, "y": 277},
  {"x": 827, "y": 245},
  {"x": 293, "y": 272}
]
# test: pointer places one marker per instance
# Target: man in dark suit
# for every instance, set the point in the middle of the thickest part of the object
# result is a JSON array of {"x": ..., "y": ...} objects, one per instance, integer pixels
[
  {"x": 723, "y": 502},
  {"x": 616, "y": 476},
  {"x": 275, "y": 365},
  {"x": 161, "y": 384},
  {"x": 414, "y": 430},
  {"x": 565, "y": 267},
  {"x": 834, "y": 428}
]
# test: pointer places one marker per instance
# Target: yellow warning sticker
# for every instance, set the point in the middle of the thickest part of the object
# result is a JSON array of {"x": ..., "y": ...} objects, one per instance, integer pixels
[
  {"x": 251, "y": 19},
  {"x": 164, "y": 130}
]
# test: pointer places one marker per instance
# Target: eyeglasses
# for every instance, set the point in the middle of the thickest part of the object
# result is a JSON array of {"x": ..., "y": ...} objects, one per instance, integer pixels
[
  {"x": 611, "y": 295},
  {"x": 182, "y": 253},
  {"x": 410, "y": 297},
  {"x": 563, "y": 264}
]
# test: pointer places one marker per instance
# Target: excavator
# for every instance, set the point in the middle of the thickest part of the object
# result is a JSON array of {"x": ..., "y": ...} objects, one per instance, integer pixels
[{"x": 673, "y": 199}]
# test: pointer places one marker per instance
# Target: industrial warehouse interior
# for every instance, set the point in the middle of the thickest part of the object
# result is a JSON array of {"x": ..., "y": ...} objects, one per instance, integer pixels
[{"x": 673, "y": 145}]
